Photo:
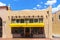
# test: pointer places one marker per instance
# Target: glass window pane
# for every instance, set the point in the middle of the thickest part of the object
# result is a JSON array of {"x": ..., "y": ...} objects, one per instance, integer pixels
[
  {"x": 26, "y": 20},
  {"x": 35, "y": 20},
  {"x": 41, "y": 30},
  {"x": 17, "y": 20},
  {"x": 30, "y": 20},
  {"x": 40, "y": 19},
  {"x": 38, "y": 30},
  {"x": 17, "y": 30},
  {"x": 13, "y": 20},
  {"x": 22, "y": 20},
  {"x": 34, "y": 30}
]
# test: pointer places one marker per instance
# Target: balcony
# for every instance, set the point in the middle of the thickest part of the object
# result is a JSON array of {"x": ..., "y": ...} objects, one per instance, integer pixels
[{"x": 27, "y": 25}]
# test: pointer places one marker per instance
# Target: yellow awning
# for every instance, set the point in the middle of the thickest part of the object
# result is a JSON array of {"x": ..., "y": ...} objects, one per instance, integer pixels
[{"x": 27, "y": 25}]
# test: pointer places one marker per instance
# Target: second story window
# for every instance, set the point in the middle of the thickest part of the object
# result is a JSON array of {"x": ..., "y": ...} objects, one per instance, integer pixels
[
  {"x": 27, "y": 20},
  {"x": 17, "y": 20},
  {"x": 40, "y": 19},
  {"x": 13, "y": 20},
  {"x": 30, "y": 20},
  {"x": 21, "y": 20},
  {"x": 35, "y": 20}
]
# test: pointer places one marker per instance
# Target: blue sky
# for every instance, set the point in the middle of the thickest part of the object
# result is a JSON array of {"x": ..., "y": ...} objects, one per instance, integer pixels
[{"x": 31, "y": 4}]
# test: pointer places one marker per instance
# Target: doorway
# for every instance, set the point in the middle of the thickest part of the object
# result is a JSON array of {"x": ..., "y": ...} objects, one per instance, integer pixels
[
  {"x": 27, "y": 32},
  {"x": 0, "y": 27}
]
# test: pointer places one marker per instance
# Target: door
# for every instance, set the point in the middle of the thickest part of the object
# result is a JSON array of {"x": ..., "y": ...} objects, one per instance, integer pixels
[
  {"x": 27, "y": 32},
  {"x": 0, "y": 27}
]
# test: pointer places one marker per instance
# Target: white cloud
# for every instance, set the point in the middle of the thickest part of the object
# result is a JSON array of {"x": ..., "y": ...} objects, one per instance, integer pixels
[
  {"x": 38, "y": 5},
  {"x": 51, "y": 2},
  {"x": 55, "y": 9},
  {"x": 2, "y": 4}
]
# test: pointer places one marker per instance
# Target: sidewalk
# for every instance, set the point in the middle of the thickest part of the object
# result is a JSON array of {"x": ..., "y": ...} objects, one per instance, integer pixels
[{"x": 23, "y": 39}]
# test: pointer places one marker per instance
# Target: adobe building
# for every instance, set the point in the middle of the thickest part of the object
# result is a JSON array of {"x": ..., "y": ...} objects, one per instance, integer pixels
[
  {"x": 25, "y": 23},
  {"x": 56, "y": 24}
]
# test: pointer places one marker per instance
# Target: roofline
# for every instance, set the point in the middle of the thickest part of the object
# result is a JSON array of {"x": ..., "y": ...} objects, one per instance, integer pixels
[{"x": 56, "y": 12}]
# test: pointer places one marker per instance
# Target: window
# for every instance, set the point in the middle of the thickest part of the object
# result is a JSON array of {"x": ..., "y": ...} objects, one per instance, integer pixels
[
  {"x": 34, "y": 30},
  {"x": 26, "y": 20},
  {"x": 17, "y": 20},
  {"x": 13, "y": 20},
  {"x": 40, "y": 19},
  {"x": 30, "y": 20},
  {"x": 15, "y": 30},
  {"x": 35, "y": 20},
  {"x": 20, "y": 32},
  {"x": 59, "y": 16},
  {"x": 38, "y": 30},
  {"x": 21, "y": 20}
]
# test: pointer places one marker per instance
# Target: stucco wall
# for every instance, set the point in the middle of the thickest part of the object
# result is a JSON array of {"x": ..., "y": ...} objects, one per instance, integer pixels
[
  {"x": 56, "y": 23},
  {"x": 6, "y": 17}
]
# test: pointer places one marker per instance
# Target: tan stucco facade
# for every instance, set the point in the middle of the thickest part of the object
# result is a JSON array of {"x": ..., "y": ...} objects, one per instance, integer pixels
[
  {"x": 56, "y": 24},
  {"x": 7, "y": 14}
]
